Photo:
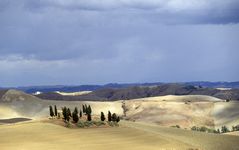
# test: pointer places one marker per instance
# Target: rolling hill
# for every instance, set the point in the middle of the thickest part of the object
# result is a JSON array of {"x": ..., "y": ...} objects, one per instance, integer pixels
[
  {"x": 186, "y": 111},
  {"x": 15, "y": 104},
  {"x": 76, "y": 88},
  {"x": 149, "y": 125},
  {"x": 112, "y": 94},
  {"x": 130, "y": 135}
]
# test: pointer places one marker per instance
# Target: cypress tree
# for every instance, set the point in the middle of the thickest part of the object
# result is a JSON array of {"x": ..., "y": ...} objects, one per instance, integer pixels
[
  {"x": 80, "y": 113},
  {"x": 86, "y": 110},
  {"x": 69, "y": 112},
  {"x": 55, "y": 111},
  {"x": 89, "y": 117},
  {"x": 76, "y": 110},
  {"x": 102, "y": 116},
  {"x": 83, "y": 107},
  {"x": 118, "y": 119},
  {"x": 64, "y": 112},
  {"x": 75, "y": 116},
  {"x": 51, "y": 111},
  {"x": 109, "y": 116},
  {"x": 89, "y": 109},
  {"x": 114, "y": 117}
]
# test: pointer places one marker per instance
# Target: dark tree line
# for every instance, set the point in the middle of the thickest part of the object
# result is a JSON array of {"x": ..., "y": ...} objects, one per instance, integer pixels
[
  {"x": 113, "y": 117},
  {"x": 67, "y": 115},
  {"x": 102, "y": 116},
  {"x": 53, "y": 113},
  {"x": 76, "y": 115}
]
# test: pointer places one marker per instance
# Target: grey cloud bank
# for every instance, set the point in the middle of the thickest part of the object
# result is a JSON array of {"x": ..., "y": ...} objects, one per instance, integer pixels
[{"x": 96, "y": 42}]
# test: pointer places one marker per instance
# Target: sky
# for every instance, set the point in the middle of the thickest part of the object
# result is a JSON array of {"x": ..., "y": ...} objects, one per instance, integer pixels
[{"x": 73, "y": 42}]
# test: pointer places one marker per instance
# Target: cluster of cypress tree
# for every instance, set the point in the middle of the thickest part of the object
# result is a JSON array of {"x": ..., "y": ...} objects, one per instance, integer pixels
[
  {"x": 75, "y": 115},
  {"x": 113, "y": 117},
  {"x": 87, "y": 110},
  {"x": 53, "y": 113},
  {"x": 66, "y": 112}
]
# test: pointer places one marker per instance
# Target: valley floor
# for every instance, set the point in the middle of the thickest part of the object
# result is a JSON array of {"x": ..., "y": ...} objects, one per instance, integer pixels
[{"x": 36, "y": 135}]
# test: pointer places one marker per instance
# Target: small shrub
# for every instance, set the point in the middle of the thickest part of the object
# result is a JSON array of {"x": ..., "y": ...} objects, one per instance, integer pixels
[
  {"x": 112, "y": 124},
  {"x": 225, "y": 129},
  {"x": 99, "y": 123},
  {"x": 235, "y": 128},
  {"x": 58, "y": 116},
  {"x": 194, "y": 128},
  {"x": 176, "y": 126},
  {"x": 68, "y": 125},
  {"x": 88, "y": 123},
  {"x": 216, "y": 131},
  {"x": 80, "y": 124},
  {"x": 192, "y": 149},
  {"x": 203, "y": 129}
]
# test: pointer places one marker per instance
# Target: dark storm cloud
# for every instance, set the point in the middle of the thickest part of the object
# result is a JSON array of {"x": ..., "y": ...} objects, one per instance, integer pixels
[
  {"x": 72, "y": 41},
  {"x": 172, "y": 11}
]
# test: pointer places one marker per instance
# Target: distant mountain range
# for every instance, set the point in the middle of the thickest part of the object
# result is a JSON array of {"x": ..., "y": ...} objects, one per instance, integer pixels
[
  {"x": 134, "y": 92},
  {"x": 111, "y": 92},
  {"x": 65, "y": 88}
]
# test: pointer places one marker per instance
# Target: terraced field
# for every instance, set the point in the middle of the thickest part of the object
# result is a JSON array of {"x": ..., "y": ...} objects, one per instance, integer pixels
[{"x": 36, "y": 135}]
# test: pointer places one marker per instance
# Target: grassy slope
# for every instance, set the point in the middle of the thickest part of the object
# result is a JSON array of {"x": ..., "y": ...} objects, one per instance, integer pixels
[{"x": 38, "y": 135}]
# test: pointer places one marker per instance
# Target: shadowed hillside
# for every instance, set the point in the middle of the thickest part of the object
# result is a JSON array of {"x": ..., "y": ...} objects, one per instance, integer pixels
[
  {"x": 15, "y": 104},
  {"x": 2, "y": 92},
  {"x": 111, "y": 94},
  {"x": 64, "y": 88}
]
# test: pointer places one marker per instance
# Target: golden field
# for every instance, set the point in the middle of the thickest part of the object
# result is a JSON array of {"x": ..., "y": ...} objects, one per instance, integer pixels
[{"x": 37, "y": 135}]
